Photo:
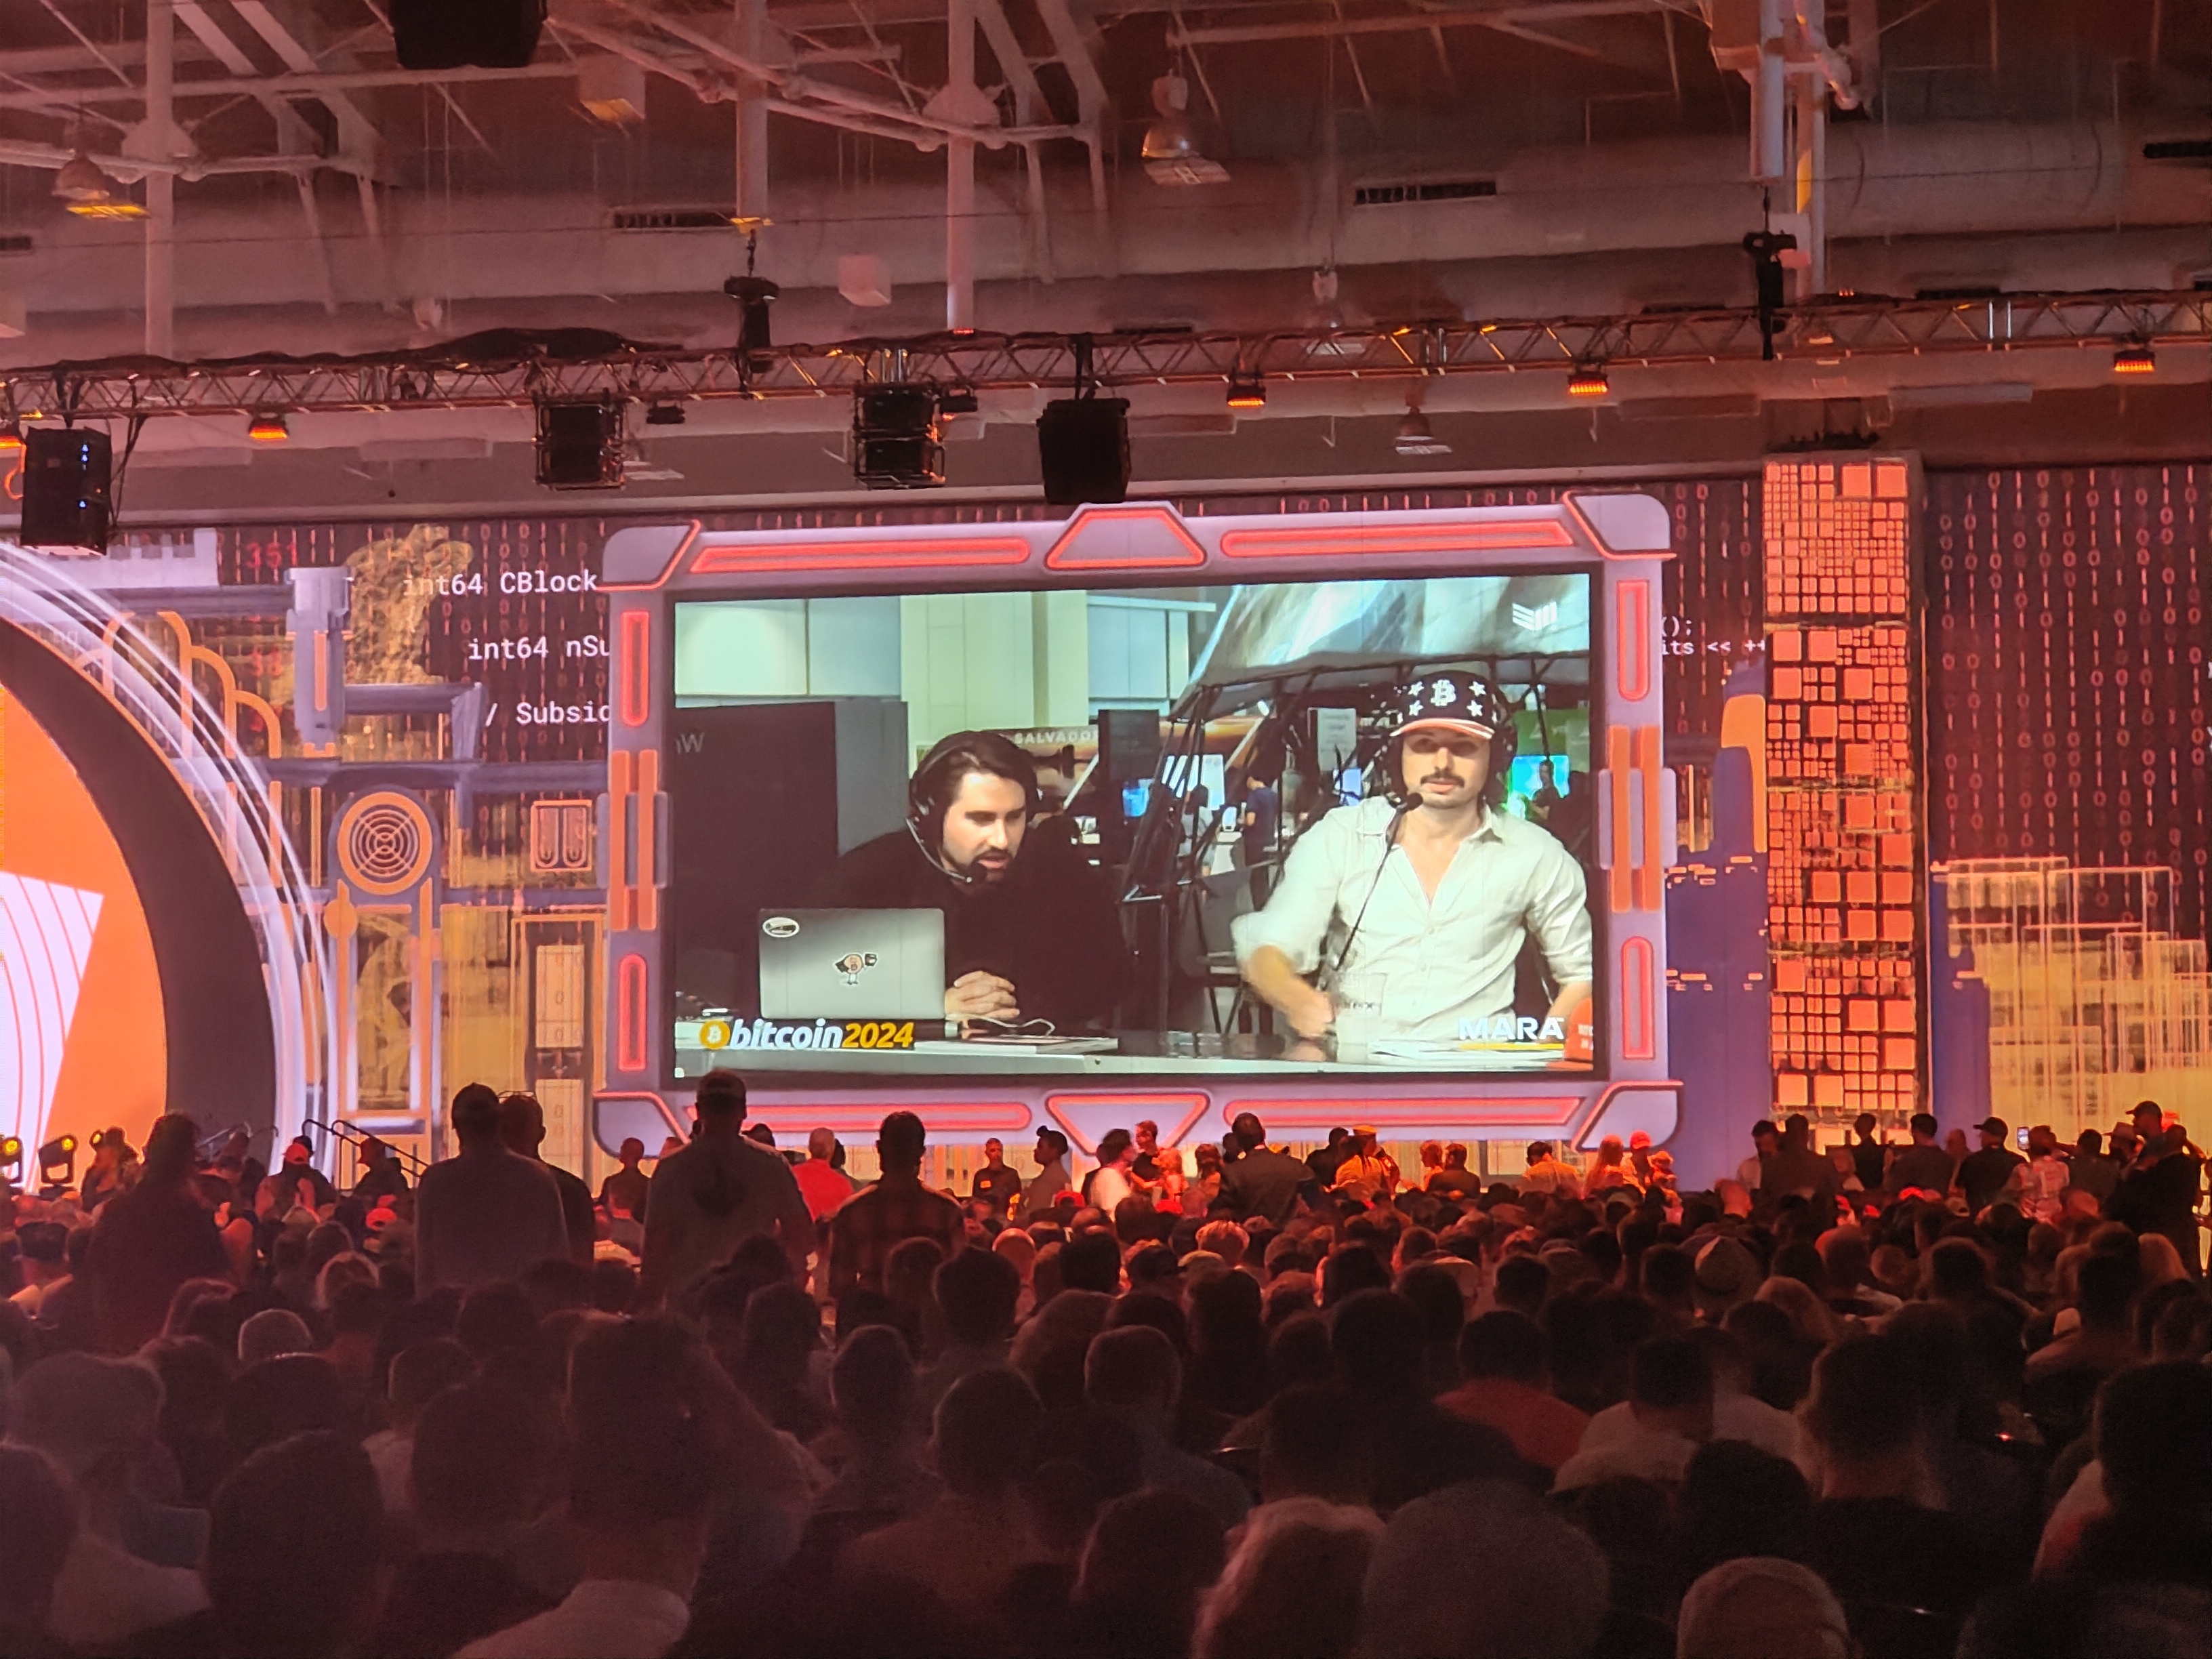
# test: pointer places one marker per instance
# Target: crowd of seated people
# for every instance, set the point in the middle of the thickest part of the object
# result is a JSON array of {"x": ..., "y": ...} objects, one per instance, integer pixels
[{"x": 1895, "y": 1403}]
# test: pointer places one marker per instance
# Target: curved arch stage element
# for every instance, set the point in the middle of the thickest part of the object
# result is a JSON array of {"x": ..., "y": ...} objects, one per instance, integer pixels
[{"x": 243, "y": 969}]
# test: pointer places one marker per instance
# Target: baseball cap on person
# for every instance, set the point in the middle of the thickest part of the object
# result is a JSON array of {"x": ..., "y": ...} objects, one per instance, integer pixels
[
  {"x": 1450, "y": 697},
  {"x": 1726, "y": 1273},
  {"x": 1994, "y": 1125}
]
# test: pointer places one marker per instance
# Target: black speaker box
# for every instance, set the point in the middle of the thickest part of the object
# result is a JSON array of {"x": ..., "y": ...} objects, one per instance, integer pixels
[
  {"x": 579, "y": 444},
  {"x": 66, "y": 472},
  {"x": 1082, "y": 446},
  {"x": 440, "y": 34},
  {"x": 896, "y": 441}
]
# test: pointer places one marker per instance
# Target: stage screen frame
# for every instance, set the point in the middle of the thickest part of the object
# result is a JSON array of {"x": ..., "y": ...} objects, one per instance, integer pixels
[{"x": 1618, "y": 539}]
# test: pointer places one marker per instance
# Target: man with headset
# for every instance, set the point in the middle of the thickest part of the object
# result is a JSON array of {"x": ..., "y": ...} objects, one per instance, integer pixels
[
  {"x": 1425, "y": 896},
  {"x": 1030, "y": 928}
]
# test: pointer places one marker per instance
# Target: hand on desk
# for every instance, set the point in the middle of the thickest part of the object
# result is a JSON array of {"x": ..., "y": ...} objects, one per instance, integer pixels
[
  {"x": 979, "y": 995},
  {"x": 1311, "y": 1015}
]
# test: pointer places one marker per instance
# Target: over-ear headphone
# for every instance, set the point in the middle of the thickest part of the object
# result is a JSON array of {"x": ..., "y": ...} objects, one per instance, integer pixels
[{"x": 954, "y": 757}]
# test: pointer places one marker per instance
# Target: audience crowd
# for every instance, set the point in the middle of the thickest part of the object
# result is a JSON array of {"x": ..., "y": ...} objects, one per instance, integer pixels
[{"x": 1889, "y": 1400}]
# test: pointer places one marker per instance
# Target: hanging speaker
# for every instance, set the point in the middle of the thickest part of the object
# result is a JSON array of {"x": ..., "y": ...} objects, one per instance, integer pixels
[
  {"x": 443, "y": 34},
  {"x": 579, "y": 444},
  {"x": 1083, "y": 448},
  {"x": 897, "y": 443},
  {"x": 66, "y": 473}
]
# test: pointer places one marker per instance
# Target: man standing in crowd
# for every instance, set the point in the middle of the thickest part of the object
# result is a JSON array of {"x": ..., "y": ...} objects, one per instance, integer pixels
[
  {"x": 1982, "y": 1175},
  {"x": 295, "y": 1182},
  {"x": 1869, "y": 1156},
  {"x": 996, "y": 1182},
  {"x": 2042, "y": 1182},
  {"x": 486, "y": 1213},
  {"x": 2158, "y": 1193},
  {"x": 1324, "y": 1158},
  {"x": 1797, "y": 1168},
  {"x": 623, "y": 1192},
  {"x": 381, "y": 1177},
  {"x": 710, "y": 1197},
  {"x": 876, "y": 1220},
  {"x": 2090, "y": 1171},
  {"x": 1262, "y": 1181},
  {"x": 1109, "y": 1184},
  {"x": 1548, "y": 1174},
  {"x": 823, "y": 1186},
  {"x": 1924, "y": 1166},
  {"x": 151, "y": 1239},
  {"x": 1052, "y": 1178},
  {"x": 1766, "y": 1141},
  {"x": 522, "y": 1126},
  {"x": 1455, "y": 1180},
  {"x": 1369, "y": 1174}
]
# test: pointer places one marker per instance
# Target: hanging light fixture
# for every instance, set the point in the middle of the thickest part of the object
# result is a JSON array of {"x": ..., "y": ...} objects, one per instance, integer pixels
[
  {"x": 269, "y": 428},
  {"x": 1414, "y": 437},
  {"x": 2134, "y": 360},
  {"x": 11, "y": 438},
  {"x": 85, "y": 191},
  {"x": 1171, "y": 152},
  {"x": 1247, "y": 391},
  {"x": 1589, "y": 381}
]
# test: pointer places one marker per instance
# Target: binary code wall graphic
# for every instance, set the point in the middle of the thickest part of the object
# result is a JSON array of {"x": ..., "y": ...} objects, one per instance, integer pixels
[{"x": 2067, "y": 644}]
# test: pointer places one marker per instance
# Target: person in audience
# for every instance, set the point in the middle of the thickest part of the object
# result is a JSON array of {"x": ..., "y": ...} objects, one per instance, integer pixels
[
  {"x": 1670, "y": 1415},
  {"x": 151, "y": 1239},
  {"x": 1760, "y": 1608},
  {"x": 1924, "y": 1166},
  {"x": 477, "y": 1468},
  {"x": 292, "y": 1537},
  {"x": 1133, "y": 1374},
  {"x": 874, "y": 1222},
  {"x": 622, "y": 1193},
  {"x": 1261, "y": 1180},
  {"x": 38, "y": 1532},
  {"x": 1506, "y": 1360},
  {"x": 98, "y": 1420},
  {"x": 522, "y": 1128},
  {"x": 487, "y": 1213},
  {"x": 708, "y": 1197},
  {"x": 1042, "y": 1193},
  {"x": 1482, "y": 1570}
]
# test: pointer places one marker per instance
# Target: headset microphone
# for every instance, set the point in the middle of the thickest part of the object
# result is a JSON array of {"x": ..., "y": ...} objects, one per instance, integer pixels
[
  {"x": 1389, "y": 840},
  {"x": 938, "y": 858}
]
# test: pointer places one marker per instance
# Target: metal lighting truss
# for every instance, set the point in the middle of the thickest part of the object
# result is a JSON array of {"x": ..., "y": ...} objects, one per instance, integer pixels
[{"x": 521, "y": 373}]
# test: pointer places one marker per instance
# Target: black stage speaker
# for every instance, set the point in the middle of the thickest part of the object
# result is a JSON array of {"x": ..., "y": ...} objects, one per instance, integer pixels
[
  {"x": 65, "y": 480},
  {"x": 896, "y": 441},
  {"x": 1083, "y": 445},
  {"x": 440, "y": 34},
  {"x": 579, "y": 444}
]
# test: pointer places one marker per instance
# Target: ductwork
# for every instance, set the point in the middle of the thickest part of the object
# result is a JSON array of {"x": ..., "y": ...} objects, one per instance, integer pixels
[{"x": 536, "y": 260}]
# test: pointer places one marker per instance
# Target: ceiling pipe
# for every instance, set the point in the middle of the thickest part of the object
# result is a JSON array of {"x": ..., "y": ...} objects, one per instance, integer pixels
[
  {"x": 160, "y": 187},
  {"x": 959, "y": 93},
  {"x": 751, "y": 32},
  {"x": 622, "y": 45},
  {"x": 1092, "y": 105}
]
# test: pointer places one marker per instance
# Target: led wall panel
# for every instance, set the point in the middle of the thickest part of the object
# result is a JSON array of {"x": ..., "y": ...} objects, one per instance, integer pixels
[{"x": 1844, "y": 867}]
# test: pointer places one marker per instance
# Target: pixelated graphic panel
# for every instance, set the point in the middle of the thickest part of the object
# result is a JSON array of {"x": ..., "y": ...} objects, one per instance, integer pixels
[
  {"x": 2066, "y": 637},
  {"x": 1845, "y": 872}
]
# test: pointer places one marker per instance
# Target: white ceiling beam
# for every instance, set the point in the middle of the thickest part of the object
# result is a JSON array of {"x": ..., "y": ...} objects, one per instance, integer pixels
[{"x": 357, "y": 134}]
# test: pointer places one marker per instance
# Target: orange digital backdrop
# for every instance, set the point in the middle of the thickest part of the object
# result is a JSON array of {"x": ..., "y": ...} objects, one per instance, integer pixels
[{"x": 82, "y": 1044}]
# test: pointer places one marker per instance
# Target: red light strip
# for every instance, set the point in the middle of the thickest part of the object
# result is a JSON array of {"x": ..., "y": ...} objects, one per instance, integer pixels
[
  {"x": 1632, "y": 606},
  {"x": 1546, "y": 1110},
  {"x": 1355, "y": 539},
  {"x": 1638, "y": 1036},
  {"x": 866, "y": 1117},
  {"x": 725, "y": 560},
  {"x": 630, "y": 1013},
  {"x": 636, "y": 666}
]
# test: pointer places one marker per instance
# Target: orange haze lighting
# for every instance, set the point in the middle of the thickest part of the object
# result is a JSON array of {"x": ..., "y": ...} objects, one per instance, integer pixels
[
  {"x": 269, "y": 429},
  {"x": 2134, "y": 360},
  {"x": 11, "y": 439},
  {"x": 1588, "y": 382}
]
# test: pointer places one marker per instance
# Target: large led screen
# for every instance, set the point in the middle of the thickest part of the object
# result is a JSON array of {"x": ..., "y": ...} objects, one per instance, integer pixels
[{"x": 1323, "y": 825}]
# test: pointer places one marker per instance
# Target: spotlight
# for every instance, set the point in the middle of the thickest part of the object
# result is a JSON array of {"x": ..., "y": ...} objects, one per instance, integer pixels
[
  {"x": 11, "y": 1162},
  {"x": 1414, "y": 437},
  {"x": 1589, "y": 381},
  {"x": 961, "y": 400},
  {"x": 1170, "y": 151},
  {"x": 2134, "y": 360},
  {"x": 897, "y": 443},
  {"x": 665, "y": 415},
  {"x": 11, "y": 439},
  {"x": 268, "y": 428},
  {"x": 1247, "y": 391},
  {"x": 57, "y": 1166},
  {"x": 580, "y": 444}
]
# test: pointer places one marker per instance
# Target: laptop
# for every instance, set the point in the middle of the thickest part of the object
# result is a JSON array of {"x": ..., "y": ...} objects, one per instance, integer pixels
[{"x": 852, "y": 965}]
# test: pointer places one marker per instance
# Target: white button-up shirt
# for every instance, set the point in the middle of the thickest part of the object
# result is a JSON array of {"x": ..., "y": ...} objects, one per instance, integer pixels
[{"x": 1440, "y": 961}]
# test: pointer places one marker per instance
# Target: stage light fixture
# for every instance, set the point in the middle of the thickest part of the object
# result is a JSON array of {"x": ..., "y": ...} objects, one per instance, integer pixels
[
  {"x": 1170, "y": 147},
  {"x": 11, "y": 438},
  {"x": 1247, "y": 391},
  {"x": 1414, "y": 437},
  {"x": 269, "y": 428},
  {"x": 58, "y": 1164},
  {"x": 897, "y": 443},
  {"x": 959, "y": 400},
  {"x": 66, "y": 472},
  {"x": 580, "y": 444},
  {"x": 11, "y": 1155},
  {"x": 754, "y": 295},
  {"x": 665, "y": 413},
  {"x": 2134, "y": 360},
  {"x": 1589, "y": 381}
]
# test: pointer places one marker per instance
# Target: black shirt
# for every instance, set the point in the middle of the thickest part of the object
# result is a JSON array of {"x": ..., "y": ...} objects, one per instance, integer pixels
[
  {"x": 1050, "y": 926},
  {"x": 1981, "y": 1175},
  {"x": 996, "y": 1187},
  {"x": 1927, "y": 1167},
  {"x": 1265, "y": 1184}
]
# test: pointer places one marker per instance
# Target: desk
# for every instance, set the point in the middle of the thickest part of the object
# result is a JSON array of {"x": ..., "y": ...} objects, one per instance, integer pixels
[{"x": 1136, "y": 1054}]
